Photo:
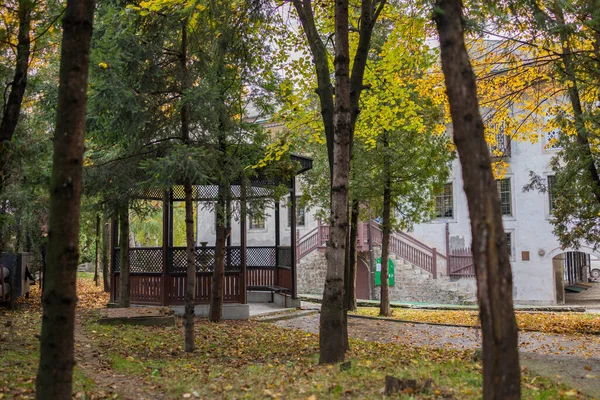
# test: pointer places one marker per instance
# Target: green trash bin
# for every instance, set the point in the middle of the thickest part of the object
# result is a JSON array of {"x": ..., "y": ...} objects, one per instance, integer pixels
[{"x": 391, "y": 276}]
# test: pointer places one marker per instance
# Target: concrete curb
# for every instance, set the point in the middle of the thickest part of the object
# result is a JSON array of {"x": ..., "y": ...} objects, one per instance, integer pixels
[
  {"x": 403, "y": 321},
  {"x": 273, "y": 313},
  {"x": 450, "y": 307},
  {"x": 299, "y": 314}
]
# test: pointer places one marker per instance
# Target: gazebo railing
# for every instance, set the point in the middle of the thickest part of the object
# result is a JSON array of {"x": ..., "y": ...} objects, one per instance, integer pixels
[{"x": 266, "y": 266}]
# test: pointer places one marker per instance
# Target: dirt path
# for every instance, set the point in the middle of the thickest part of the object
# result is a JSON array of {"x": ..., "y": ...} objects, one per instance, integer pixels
[
  {"x": 108, "y": 383},
  {"x": 574, "y": 360}
]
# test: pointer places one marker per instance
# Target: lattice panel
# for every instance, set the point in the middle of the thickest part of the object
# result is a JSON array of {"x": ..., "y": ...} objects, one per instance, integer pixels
[
  {"x": 148, "y": 194},
  {"x": 176, "y": 261},
  {"x": 260, "y": 189},
  {"x": 233, "y": 261},
  {"x": 285, "y": 257},
  {"x": 205, "y": 259},
  {"x": 260, "y": 257},
  {"x": 116, "y": 259},
  {"x": 149, "y": 260},
  {"x": 145, "y": 260},
  {"x": 198, "y": 193}
]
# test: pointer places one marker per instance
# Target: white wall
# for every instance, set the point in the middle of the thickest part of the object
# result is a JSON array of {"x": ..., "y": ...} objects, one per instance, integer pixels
[
  {"x": 255, "y": 237},
  {"x": 529, "y": 224}
]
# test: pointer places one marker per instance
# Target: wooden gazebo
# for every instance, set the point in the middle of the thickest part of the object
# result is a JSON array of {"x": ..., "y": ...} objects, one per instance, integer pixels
[{"x": 158, "y": 274}]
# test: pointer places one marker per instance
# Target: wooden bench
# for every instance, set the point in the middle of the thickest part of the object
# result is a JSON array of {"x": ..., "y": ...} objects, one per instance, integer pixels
[{"x": 269, "y": 288}]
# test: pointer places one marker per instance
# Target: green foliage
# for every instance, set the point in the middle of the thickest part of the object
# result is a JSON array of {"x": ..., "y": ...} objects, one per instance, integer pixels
[{"x": 401, "y": 101}]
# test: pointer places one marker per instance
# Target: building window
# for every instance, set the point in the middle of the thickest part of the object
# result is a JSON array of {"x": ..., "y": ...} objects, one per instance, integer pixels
[
  {"x": 505, "y": 197},
  {"x": 552, "y": 139},
  {"x": 444, "y": 203},
  {"x": 509, "y": 243},
  {"x": 257, "y": 219},
  {"x": 300, "y": 215},
  {"x": 502, "y": 146},
  {"x": 551, "y": 192}
]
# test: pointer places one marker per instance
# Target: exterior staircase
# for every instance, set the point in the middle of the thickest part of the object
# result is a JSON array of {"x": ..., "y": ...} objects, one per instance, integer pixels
[{"x": 422, "y": 274}]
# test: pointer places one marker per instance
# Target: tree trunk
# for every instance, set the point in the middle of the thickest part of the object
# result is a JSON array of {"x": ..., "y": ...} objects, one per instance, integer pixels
[
  {"x": 321, "y": 62},
  {"x": 371, "y": 257},
  {"x": 501, "y": 373},
  {"x": 12, "y": 109},
  {"x": 190, "y": 242},
  {"x": 384, "y": 307},
  {"x": 55, "y": 373},
  {"x": 573, "y": 92},
  {"x": 190, "y": 292},
  {"x": 97, "y": 255},
  {"x": 106, "y": 257},
  {"x": 331, "y": 339},
  {"x": 17, "y": 232},
  {"x": 124, "y": 289},
  {"x": 350, "y": 278},
  {"x": 223, "y": 196},
  {"x": 216, "y": 295}
]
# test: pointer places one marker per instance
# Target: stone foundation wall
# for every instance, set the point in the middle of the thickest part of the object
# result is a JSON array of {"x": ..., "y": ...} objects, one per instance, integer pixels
[
  {"x": 311, "y": 272},
  {"x": 430, "y": 292},
  {"x": 411, "y": 283}
]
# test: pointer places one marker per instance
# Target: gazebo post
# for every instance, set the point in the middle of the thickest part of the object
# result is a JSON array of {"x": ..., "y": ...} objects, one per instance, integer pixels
[
  {"x": 277, "y": 241},
  {"x": 228, "y": 248},
  {"x": 171, "y": 218},
  {"x": 243, "y": 212},
  {"x": 113, "y": 243},
  {"x": 293, "y": 238},
  {"x": 165, "y": 247}
]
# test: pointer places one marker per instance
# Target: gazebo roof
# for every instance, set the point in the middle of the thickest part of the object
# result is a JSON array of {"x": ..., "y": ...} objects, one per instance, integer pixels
[{"x": 261, "y": 186}]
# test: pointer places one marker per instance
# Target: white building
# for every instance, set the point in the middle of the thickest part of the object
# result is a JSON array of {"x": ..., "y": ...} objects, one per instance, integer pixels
[
  {"x": 538, "y": 262},
  {"x": 541, "y": 269}
]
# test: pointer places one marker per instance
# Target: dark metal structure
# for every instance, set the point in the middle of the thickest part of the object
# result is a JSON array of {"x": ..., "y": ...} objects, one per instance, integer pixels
[
  {"x": 14, "y": 276},
  {"x": 158, "y": 274}
]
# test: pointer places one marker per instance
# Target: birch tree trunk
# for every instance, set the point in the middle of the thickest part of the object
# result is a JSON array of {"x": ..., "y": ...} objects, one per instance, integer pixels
[
  {"x": 55, "y": 372},
  {"x": 501, "y": 373}
]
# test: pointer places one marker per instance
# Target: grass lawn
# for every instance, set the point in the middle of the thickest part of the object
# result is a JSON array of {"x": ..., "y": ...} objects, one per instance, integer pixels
[
  {"x": 19, "y": 350},
  {"x": 240, "y": 360},
  {"x": 563, "y": 322},
  {"x": 255, "y": 360},
  {"x": 87, "y": 275}
]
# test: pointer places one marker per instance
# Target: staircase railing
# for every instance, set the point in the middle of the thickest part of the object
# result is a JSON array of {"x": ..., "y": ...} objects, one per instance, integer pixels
[
  {"x": 460, "y": 263},
  {"x": 307, "y": 243},
  {"x": 409, "y": 249},
  {"x": 401, "y": 244}
]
